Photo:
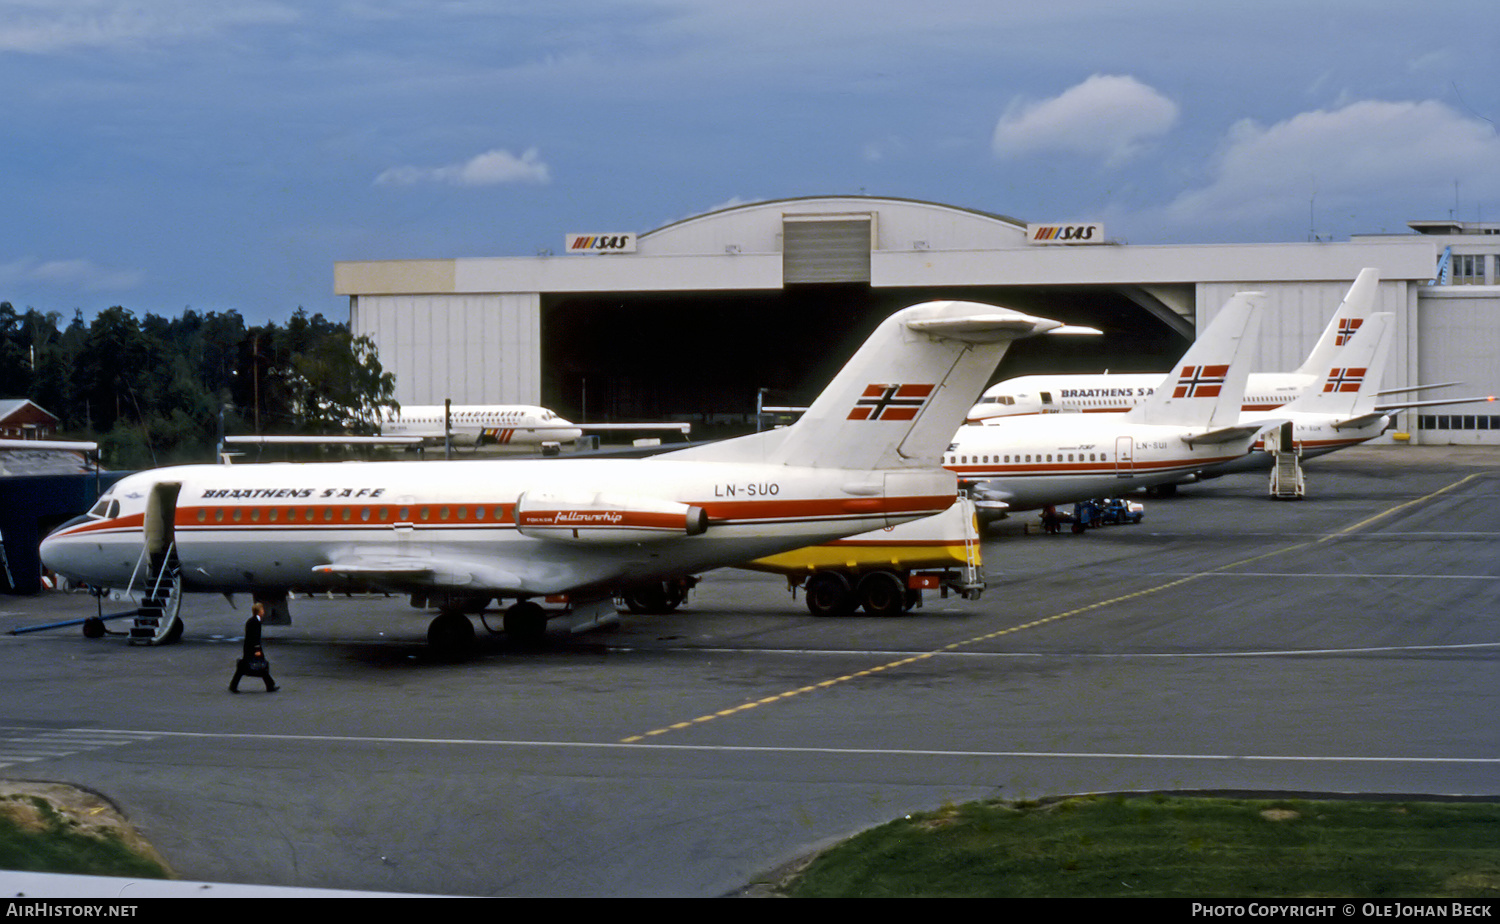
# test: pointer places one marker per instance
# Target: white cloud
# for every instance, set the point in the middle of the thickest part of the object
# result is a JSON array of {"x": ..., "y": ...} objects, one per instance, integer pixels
[
  {"x": 1403, "y": 153},
  {"x": 75, "y": 273},
  {"x": 47, "y": 26},
  {"x": 1107, "y": 116},
  {"x": 491, "y": 168}
]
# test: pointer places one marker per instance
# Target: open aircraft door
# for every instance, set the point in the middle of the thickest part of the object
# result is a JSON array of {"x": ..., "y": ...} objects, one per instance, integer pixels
[
  {"x": 159, "y": 620},
  {"x": 1124, "y": 456}
]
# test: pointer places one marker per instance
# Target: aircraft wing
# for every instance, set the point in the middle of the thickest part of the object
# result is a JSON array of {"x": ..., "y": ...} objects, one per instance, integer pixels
[
  {"x": 1436, "y": 402},
  {"x": 1397, "y": 391},
  {"x": 1239, "y": 432},
  {"x": 683, "y": 428}
]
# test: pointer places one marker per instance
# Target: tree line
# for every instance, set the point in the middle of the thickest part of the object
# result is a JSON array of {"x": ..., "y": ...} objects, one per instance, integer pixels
[{"x": 153, "y": 391}]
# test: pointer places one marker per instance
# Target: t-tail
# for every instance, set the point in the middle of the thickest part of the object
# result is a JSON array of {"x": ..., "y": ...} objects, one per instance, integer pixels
[
  {"x": 1207, "y": 386},
  {"x": 897, "y": 403},
  {"x": 1347, "y": 387},
  {"x": 1356, "y": 306}
]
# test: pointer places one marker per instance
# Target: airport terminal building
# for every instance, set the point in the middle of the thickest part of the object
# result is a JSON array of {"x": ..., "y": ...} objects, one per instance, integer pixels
[{"x": 695, "y": 319}]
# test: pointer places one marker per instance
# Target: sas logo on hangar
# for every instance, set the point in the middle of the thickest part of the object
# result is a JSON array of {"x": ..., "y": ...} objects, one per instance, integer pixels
[
  {"x": 1090, "y": 233},
  {"x": 601, "y": 243}
]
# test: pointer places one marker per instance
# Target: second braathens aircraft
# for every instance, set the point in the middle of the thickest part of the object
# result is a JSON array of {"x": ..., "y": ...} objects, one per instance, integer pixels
[
  {"x": 866, "y": 455},
  {"x": 1191, "y": 422},
  {"x": 1106, "y": 393}
]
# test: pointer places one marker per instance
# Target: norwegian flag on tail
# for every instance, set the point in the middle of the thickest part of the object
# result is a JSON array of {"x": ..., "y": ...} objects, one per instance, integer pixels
[
  {"x": 891, "y": 402},
  {"x": 1344, "y": 380},
  {"x": 1347, "y": 329},
  {"x": 1200, "y": 381}
]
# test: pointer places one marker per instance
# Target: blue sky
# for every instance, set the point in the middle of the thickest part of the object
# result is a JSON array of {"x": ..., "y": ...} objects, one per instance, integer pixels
[{"x": 163, "y": 154}]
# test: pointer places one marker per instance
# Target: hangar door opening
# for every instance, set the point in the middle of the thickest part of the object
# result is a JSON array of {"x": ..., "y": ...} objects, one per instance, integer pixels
[
  {"x": 697, "y": 356},
  {"x": 702, "y": 356}
]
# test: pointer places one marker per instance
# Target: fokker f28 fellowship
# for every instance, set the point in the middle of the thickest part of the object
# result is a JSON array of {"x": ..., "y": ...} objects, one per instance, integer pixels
[{"x": 865, "y": 455}]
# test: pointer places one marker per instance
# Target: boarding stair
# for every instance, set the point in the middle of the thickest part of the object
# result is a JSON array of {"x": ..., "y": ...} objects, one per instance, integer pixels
[
  {"x": 158, "y": 620},
  {"x": 1287, "y": 482}
]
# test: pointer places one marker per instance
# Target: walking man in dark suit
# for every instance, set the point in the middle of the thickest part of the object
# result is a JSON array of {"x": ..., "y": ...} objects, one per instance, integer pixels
[{"x": 254, "y": 662}]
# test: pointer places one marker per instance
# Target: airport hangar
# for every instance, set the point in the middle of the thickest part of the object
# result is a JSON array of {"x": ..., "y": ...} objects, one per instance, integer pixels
[{"x": 689, "y": 321}]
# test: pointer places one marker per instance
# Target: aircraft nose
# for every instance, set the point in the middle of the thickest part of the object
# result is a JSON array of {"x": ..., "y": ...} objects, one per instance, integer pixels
[
  {"x": 59, "y": 548},
  {"x": 50, "y": 550}
]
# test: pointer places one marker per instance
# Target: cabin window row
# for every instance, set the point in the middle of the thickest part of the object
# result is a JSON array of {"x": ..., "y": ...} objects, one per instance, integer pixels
[
  {"x": 294, "y": 515},
  {"x": 1021, "y": 458}
]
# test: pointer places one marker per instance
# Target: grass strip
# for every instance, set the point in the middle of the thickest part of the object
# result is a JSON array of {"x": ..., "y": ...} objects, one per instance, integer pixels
[
  {"x": 1170, "y": 846},
  {"x": 36, "y": 837}
]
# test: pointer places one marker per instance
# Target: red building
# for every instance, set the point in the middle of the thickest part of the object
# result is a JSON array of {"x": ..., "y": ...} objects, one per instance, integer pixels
[{"x": 20, "y": 419}]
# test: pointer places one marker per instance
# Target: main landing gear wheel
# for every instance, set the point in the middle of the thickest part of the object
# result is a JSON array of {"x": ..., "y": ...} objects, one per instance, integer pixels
[
  {"x": 656, "y": 599},
  {"x": 450, "y": 634},
  {"x": 829, "y": 594},
  {"x": 882, "y": 593},
  {"x": 526, "y": 623}
]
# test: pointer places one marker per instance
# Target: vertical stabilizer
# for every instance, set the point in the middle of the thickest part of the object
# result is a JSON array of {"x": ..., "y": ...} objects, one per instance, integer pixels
[
  {"x": 1347, "y": 386},
  {"x": 1207, "y": 386},
  {"x": 1351, "y": 313},
  {"x": 899, "y": 400}
]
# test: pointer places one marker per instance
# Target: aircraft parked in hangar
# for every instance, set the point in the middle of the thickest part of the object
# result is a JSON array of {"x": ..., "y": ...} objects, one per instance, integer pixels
[
  {"x": 1022, "y": 463},
  {"x": 1107, "y": 393},
  {"x": 867, "y": 454}
]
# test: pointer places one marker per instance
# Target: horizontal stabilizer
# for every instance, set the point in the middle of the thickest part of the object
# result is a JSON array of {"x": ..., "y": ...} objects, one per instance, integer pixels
[
  {"x": 982, "y": 327},
  {"x": 1239, "y": 433},
  {"x": 1364, "y": 420}
]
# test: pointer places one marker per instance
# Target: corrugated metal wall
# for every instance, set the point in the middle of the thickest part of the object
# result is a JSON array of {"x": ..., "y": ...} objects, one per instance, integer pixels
[
  {"x": 1457, "y": 344},
  {"x": 474, "y": 349}
]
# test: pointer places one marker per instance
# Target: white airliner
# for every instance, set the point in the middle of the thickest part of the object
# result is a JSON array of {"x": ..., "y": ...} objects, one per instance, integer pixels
[
  {"x": 1115, "y": 393},
  {"x": 867, "y": 454},
  {"x": 469, "y": 424},
  {"x": 1021, "y": 463},
  {"x": 510, "y": 425},
  {"x": 1338, "y": 408}
]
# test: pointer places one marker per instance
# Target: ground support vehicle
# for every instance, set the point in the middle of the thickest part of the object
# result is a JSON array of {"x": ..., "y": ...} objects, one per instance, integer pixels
[
  {"x": 886, "y": 570},
  {"x": 1114, "y": 511},
  {"x": 1109, "y": 511}
]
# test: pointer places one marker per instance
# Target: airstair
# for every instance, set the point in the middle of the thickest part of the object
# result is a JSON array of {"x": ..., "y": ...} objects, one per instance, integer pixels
[
  {"x": 159, "y": 620},
  {"x": 1286, "y": 464}
]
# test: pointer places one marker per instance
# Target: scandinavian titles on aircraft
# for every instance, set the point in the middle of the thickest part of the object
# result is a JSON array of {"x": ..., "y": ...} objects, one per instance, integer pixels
[{"x": 277, "y": 493}]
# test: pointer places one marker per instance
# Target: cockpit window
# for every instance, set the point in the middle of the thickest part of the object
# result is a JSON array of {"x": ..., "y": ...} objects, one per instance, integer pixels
[{"x": 106, "y": 508}]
